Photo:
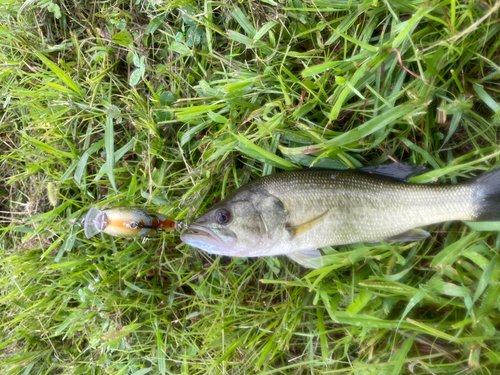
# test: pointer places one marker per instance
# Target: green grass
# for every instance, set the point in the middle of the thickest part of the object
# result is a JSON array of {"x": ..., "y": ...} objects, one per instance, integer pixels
[{"x": 172, "y": 105}]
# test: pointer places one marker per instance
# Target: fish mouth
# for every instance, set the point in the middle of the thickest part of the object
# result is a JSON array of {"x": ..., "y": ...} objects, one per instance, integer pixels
[
  {"x": 205, "y": 238},
  {"x": 198, "y": 230}
]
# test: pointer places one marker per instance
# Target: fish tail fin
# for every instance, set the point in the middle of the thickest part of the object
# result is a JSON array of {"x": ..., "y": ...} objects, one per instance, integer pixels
[{"x": 487, "y": 188}]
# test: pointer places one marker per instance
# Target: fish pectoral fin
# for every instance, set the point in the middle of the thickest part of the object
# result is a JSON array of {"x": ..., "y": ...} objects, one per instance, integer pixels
[
  {"x": 409, "y": 236},
  {"x": 297, "y": 230},
  {"x": 307, "y": 258}
]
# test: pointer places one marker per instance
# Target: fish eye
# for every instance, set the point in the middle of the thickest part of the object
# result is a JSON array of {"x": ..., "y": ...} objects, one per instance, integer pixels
[{"x": 223, "y": 216}]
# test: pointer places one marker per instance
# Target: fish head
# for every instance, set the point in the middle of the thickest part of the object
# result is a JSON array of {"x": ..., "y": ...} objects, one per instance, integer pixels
[{"x": 241, "y": 225}]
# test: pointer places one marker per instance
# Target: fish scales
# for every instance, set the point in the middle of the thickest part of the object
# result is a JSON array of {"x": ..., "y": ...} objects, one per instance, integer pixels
[
  {"x": 363, "y": 207},
  {"x": 295, "y": 213}
]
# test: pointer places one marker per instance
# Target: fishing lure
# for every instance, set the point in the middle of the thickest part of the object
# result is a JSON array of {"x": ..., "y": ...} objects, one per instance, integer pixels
[{"x": 128, "y": 222}]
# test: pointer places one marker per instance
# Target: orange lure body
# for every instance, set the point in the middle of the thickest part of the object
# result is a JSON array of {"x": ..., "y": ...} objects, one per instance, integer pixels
[{"x": 127, "y": 222}]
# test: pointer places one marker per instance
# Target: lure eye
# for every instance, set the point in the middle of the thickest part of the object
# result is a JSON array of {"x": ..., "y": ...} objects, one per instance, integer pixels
[{"x": 223, "y": 216}]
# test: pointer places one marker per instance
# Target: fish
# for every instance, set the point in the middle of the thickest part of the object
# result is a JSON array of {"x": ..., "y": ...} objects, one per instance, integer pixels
[
  {"x": 127, "y": 222},
  {"x": 295, "y": 213}
]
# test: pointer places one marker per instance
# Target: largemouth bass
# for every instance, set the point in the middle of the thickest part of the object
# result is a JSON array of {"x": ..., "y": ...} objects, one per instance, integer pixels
[{"x": 295, "y": 213}]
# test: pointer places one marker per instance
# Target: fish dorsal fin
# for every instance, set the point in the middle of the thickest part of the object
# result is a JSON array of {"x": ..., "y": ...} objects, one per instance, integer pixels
[
  {"x": 399, "y": 171},
  {"x": 409, "y": 236},
  {"x": 307, "y": 258},
  {"x": 297, "y": 230}
]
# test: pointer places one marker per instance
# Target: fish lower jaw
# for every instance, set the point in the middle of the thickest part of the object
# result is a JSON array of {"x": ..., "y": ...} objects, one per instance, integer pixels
[
  {"x": 205, "y": 232},
  {"x": 207, "y": 240},
  {"x": 201, "y": 242}
]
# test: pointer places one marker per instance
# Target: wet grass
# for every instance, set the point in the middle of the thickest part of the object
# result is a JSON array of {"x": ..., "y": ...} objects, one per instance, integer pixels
[{"x": 172, "y": 105}]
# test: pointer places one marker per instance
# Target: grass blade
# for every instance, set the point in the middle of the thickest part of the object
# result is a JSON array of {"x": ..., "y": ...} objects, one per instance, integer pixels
[
  {"x": 253, "y": 150},
  {"x": 61, "y": 74}
]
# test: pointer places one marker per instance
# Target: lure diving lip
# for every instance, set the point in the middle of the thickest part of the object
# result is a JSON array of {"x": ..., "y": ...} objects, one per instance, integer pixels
[{"x": 127, "y": 222}]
